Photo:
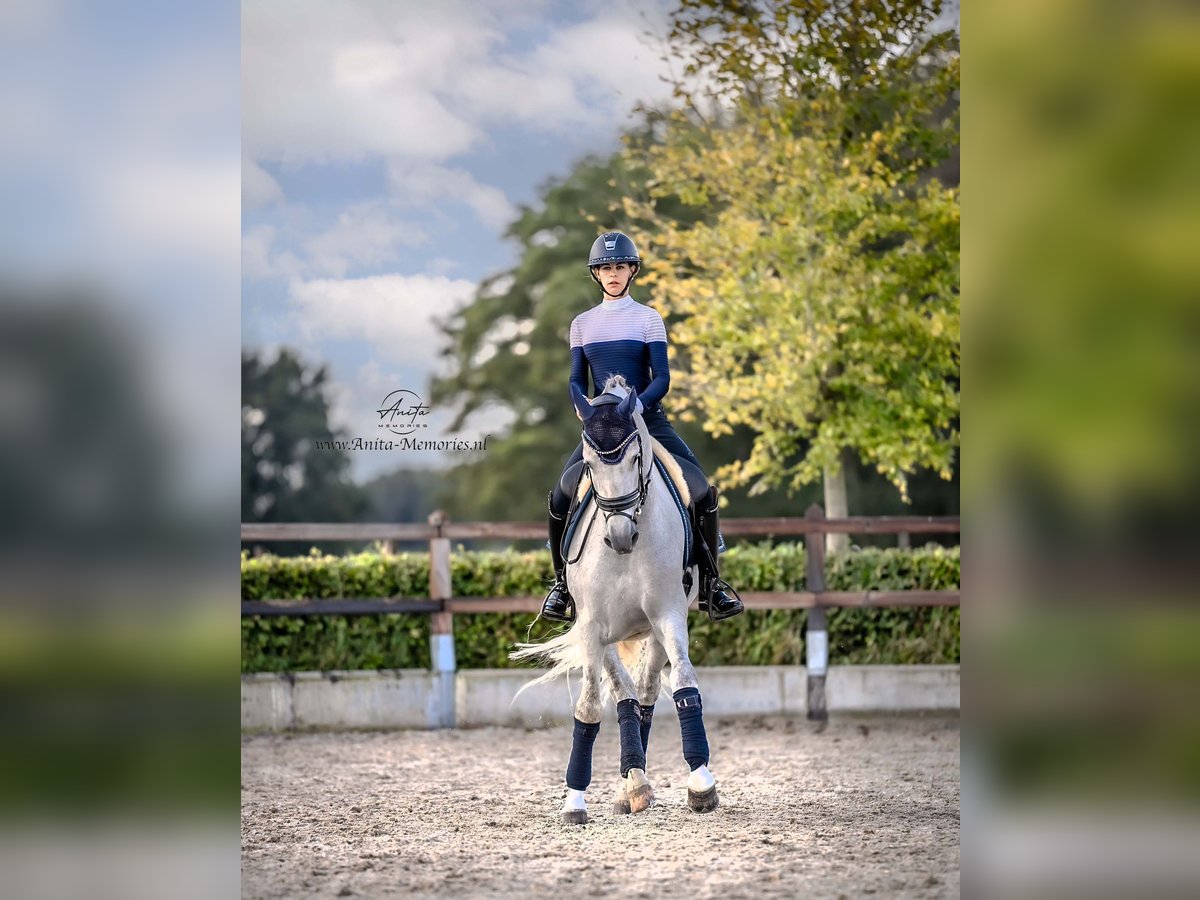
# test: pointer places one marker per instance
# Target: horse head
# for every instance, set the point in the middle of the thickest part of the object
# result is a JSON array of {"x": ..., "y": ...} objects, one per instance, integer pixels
[{"x": 616, "y": 448}]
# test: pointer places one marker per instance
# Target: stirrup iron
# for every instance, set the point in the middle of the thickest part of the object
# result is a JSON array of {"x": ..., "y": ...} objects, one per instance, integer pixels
[{"x": 565, "y": 615}]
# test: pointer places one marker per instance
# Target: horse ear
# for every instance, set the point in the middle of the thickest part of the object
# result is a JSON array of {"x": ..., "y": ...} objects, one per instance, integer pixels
[
  {"x": 629, "y": 404},
  {"x": 582, "y": 406}
]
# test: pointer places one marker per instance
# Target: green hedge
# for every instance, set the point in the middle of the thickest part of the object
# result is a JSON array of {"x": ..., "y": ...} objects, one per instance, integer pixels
[{"x": 321, "y": 643}]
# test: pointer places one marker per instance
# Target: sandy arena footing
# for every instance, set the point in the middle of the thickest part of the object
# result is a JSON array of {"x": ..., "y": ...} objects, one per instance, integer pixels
[{"x": 867, "y": 807}]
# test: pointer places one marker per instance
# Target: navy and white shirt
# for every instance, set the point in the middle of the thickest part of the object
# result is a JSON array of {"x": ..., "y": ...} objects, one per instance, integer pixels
[{"x": 621, "y": 337}]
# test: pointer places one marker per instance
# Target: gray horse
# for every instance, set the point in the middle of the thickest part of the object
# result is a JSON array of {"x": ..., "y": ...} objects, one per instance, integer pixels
[{"x": 632, "y": 609}]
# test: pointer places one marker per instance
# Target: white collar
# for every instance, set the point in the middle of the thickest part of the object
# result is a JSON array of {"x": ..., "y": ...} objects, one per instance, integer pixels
[{"x": 616, "y": 303}]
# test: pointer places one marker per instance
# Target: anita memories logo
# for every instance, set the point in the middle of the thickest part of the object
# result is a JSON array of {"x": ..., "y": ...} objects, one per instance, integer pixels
[
  {"x": 401, "y": 413},
  {"x": 400, "y": 421}
]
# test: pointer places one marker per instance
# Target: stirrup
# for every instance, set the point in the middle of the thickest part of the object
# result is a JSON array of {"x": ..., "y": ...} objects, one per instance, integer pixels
[
  {"x": 564, "y": 609},
  {"x": 728, "y": 611}
]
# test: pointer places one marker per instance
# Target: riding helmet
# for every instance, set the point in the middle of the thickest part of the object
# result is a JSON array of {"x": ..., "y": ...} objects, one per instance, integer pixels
[{"x": 613, "y": 247}]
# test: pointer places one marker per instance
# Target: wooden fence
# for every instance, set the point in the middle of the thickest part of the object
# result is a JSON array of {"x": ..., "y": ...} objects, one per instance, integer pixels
[{"x": 441, "y": 605}]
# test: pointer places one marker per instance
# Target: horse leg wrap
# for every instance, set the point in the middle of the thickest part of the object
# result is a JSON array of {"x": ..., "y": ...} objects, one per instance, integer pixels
[
  {"x": 647, "y": 720},
  {"x": 691, "y": 726},
  {"x": 579, "y": 769},
  {"x": 633, "y": 754}
]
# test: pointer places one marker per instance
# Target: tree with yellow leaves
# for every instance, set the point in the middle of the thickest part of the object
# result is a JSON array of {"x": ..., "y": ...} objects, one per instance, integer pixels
[{"x": 816, "y": 301}]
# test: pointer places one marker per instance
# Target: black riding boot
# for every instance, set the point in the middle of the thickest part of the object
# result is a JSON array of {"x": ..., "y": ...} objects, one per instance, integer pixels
[
  {"x": 558, "y": 606},
  {"x": 713, "y": 599}
]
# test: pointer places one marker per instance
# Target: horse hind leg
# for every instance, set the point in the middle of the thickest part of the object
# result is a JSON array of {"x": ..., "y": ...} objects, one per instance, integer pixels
[
  {"x": 648, "y": 680},
  {"x": 647, "y": 676},
  {"x": 637, "y": 791}
]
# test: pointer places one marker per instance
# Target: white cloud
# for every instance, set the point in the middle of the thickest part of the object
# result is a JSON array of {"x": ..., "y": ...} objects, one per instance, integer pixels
[
  {"x": 585, "y": 53},
  {"x": 261, "y": 260},
  {"x": 337, "y": 81},
  {"x": 259, "y": 189},
  {"x": 394, "y": 313},
  {"x": 364, "y": 234},
  {"x": 256, "y": 252},
  {"x": 348, "y": 81},
  {"x": 425, "y": 184}
]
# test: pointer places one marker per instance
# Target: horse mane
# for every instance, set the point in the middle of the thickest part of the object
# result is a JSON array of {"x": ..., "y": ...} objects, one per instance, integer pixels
[{"x": 616, "y": 384}]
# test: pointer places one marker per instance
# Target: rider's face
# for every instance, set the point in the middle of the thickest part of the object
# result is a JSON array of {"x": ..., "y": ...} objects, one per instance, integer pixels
[{"x": 614, "y": 277}]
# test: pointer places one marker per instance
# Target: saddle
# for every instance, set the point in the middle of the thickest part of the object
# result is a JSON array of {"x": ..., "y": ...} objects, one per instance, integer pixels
[{"x": 684, "y": 479}]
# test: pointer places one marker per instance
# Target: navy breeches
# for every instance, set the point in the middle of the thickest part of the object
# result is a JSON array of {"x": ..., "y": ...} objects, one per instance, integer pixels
[{"x": 658, "y": 425}]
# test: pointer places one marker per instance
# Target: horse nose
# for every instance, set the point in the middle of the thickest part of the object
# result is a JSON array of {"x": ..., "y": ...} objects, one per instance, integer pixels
[{"x": 622, "y": 549}]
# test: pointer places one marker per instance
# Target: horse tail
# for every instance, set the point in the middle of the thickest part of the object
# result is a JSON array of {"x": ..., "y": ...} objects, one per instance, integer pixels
[
  {"x": 630, "y": 652},
  {"x": 563, "y": 653}
]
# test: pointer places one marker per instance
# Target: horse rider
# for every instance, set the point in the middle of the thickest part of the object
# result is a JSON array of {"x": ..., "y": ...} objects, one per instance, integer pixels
[{"x": 622, "y": 336}]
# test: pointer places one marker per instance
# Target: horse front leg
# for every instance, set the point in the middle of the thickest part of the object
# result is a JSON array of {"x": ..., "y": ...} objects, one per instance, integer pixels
[
  {"x": 636, "y": 792},
  {"x": 702, "y": 787},
  {"x": 583, "y": 737}
]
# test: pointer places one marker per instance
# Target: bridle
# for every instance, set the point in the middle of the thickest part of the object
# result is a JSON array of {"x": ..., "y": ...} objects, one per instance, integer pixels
[{"x": 620, "y": 506}]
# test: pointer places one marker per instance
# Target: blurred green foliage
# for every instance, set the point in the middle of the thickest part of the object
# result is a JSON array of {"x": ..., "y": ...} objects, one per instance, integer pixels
[
  {"x": 1084, "y": 270},
  {"x": 1084, "y": 390},
  {"x": 397, "y": 641}
]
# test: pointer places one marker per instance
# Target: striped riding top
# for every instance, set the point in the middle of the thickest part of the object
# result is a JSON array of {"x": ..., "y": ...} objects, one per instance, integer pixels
[{"x": 621, "y": 337}]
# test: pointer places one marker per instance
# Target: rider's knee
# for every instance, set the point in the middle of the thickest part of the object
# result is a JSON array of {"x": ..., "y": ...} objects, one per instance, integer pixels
[{"x": 559, "y": 502}]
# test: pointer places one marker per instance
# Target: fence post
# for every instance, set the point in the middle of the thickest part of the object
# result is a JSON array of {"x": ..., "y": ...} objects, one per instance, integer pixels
[
  {"x": 441, "y": 624},
  {"x": 816, "y": 638}
]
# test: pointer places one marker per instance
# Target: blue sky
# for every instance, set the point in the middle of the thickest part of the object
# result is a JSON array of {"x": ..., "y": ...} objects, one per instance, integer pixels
[{"x": 385, "y": 149}]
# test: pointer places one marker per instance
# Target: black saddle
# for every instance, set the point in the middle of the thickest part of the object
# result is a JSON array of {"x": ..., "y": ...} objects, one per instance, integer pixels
[{"x": 696, "y": 482}]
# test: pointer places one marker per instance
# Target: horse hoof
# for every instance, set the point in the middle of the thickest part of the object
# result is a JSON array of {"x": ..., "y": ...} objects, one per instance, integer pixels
[
  {"x": 574, "y": 817},
  {"x": 639, "y": 792},
  {"x": 621, "y": 807},
  {"x": 703, "y": 801},
  {"x": 641, "y": 798}
]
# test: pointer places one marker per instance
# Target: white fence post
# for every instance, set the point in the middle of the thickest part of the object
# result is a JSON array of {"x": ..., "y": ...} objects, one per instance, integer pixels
[
  {"x": 816, "y": 638},
  {"x": 441, "y": 624}
]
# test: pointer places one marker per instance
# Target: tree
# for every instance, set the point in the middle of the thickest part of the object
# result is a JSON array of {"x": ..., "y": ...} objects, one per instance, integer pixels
[
  {"x": 285, "y": 478},
  {"x": 405, "y": 495},
  {"x": 818, "y": 297}
]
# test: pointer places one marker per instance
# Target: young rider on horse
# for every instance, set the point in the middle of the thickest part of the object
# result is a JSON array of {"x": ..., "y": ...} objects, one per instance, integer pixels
[{"x": 622, "y": 336}]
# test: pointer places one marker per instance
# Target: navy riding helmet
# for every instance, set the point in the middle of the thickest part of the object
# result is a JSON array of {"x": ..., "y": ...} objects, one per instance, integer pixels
[{"x": 613, "y": 247}]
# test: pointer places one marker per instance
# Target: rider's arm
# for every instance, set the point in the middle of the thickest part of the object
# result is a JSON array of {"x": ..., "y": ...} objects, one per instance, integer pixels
[
  {"x": 579, "y": 363},
  {"x": 656, "y": 343}
]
